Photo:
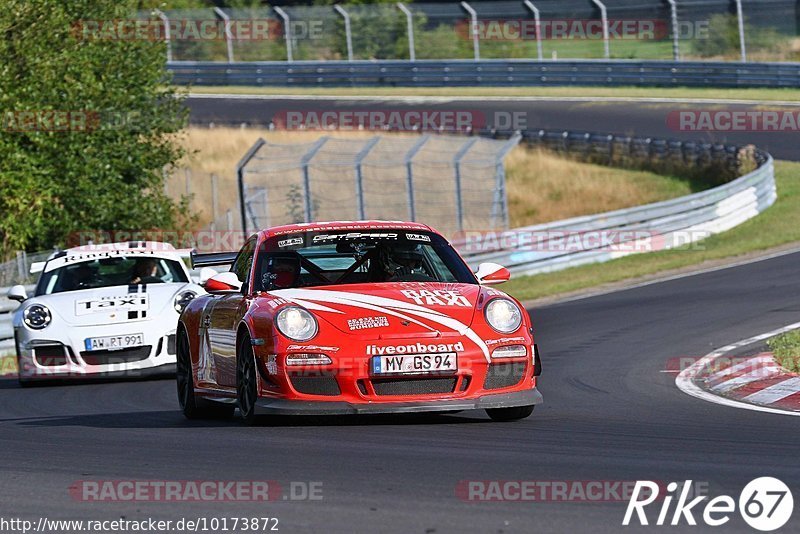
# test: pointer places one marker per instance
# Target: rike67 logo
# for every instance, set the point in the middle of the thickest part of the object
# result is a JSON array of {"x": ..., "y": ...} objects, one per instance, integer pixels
[{"x": 765, "y": 504}]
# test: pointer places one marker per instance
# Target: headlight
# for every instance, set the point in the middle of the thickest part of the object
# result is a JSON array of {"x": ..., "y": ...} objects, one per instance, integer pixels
[
  {"x": 296, "y": 323},
  {"x": 36, "y": 316},
  {"x": 183, "y": 299},
  {"x": 503, "y": 315}
]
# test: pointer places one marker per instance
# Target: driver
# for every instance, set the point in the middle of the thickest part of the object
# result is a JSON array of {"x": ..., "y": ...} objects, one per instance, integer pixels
[
  {"x": 145, "y": 271},
  {"x": 282, "y": 272},
  {"x": 402, "y": 262}
]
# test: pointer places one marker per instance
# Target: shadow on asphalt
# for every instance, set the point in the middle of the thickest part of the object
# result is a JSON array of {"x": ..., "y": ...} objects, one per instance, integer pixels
[
  {"x": 13, "y": 383},
  {"x": 173, "y": 419}
]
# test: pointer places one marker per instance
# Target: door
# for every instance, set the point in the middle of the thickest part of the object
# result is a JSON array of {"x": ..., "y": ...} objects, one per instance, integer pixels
[{"x": 229, "y": 307}]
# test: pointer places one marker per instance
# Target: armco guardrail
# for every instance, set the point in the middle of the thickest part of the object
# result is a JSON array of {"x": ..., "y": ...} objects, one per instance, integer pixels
[
  {"x": 7, "y": 308},
  {"x": 488, "y": 72},
  {"x": 606, "y": 236}
]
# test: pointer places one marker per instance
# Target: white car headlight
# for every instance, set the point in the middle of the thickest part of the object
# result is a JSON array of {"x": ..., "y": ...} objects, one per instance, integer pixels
[
  {"x": 183, "y": 299},
  {"x": 503, "y": 315},
  {"x": 37, "y": 316},
  {"x": 296, "y": 323}
]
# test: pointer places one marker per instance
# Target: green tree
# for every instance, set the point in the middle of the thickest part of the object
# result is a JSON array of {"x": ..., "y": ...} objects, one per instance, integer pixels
[{"x": 101, "y": 167}]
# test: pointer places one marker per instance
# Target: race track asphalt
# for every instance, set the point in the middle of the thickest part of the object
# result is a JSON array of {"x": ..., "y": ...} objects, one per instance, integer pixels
[
  {"x": 610, "y": 414},
  {"x": 623, "y": 118}
]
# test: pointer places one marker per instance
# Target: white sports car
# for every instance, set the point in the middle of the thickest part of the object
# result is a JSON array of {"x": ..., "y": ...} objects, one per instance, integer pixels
[{"x": 102, "y": 310}]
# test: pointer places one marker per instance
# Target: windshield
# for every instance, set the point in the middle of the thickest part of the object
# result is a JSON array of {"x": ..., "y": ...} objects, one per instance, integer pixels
[
  {"x": 107, "y": 272},
  {"x": 335, "y": 258}
]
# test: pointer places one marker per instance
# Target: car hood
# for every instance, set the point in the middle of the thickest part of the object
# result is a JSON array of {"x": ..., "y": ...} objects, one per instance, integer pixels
[
  {"x": 392, "y": 310},
  {"x": 115, "y": 304}
]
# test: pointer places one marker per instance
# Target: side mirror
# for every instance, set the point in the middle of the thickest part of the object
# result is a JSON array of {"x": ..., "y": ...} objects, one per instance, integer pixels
[
  {"x": 223, "y": 282},
  {"x": 489, "y": 274},
  {"x": 206, "y": 273},
  {"x": 17, "y": 293}
]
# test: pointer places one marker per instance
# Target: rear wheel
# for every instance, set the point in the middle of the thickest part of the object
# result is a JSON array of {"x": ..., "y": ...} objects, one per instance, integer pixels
[
  {"x": 246, "y": 381},
  {"x": 509, "y": 414},
  {"x": 191, "y": 406}
]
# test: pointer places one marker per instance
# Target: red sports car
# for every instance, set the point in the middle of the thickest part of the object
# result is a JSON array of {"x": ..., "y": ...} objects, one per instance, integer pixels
[{"x": 354, "y": 318}]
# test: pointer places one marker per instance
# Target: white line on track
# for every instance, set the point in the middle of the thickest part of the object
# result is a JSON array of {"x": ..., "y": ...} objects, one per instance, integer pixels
[
  {"x": 685, "y": 380},
  {"x": 445, "y": 99}
]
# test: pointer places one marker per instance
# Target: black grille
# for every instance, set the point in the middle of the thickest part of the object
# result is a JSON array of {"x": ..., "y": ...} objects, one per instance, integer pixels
[
  {"x": 414, "y": 386},
  {"x": 316, "y": 385},
  {"x": 107, "y": 357},
  {"x": 464, "y": 383},
  {"x": 171, "y": 344},
  {"x": 50, "y": 355},
  {"x": 503, "y": 375}
]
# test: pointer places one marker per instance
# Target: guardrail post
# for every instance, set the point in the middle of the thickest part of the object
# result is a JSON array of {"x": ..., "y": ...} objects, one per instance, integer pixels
[
  {"x": 500, "y": 197},
  {"x": 347, "y": 33},
  {"x": 228, "y": 37},
  {"x": 676, "y": 48},
  {"x": 538, "y": 23},
  {"x": 476, "y": 47},
  {"x": 740, "y": 17},
  {"x": 167, "y": 39},
  {"x": 409, "y": 163},
  {"x": 360, "y": 177},
  {"x": 604, "y": 20},
  {"x": 250, "y": 154},
  {"x": 21, "y": 265},
  {"x": 410, "y": 29},
  {"x": 187, "y": 174},
  {"x": 287, "y": 31},
  {"x": 457, "y": 165},
  {"x": 214, "y": 201},
  {"x": 305, "y": 161}
]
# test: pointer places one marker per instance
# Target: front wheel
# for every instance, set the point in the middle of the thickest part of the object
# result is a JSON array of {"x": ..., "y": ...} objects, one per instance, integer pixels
[
  {"x": 246, "y": 382},
  {"x": 509, "y": 414}
]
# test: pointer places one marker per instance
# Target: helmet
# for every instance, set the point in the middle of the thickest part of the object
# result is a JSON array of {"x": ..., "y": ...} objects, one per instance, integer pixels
[
  {"x": 281, "y": 271},
  {"x": 399, "y": 259}
]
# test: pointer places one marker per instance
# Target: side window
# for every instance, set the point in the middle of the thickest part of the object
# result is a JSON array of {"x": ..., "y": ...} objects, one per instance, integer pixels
[{"x": 243, "y": 263}]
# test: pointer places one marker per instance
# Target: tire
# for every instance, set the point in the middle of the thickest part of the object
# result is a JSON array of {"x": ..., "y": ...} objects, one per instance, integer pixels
[
  {"x": 191, "y": 406},
  {"x": 509, "y": 414},
  {"x": 246, "y": 382}
]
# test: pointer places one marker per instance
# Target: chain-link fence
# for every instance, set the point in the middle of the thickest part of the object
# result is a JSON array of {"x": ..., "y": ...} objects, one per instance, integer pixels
[
  {"x": 18, "y": 269},
  {"x": 452, "y": 183},
  {"x": 536, "y": 29}
]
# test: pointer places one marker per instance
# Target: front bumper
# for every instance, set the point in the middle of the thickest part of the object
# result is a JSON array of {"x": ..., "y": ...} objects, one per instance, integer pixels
[
  {"x": 267, "y": 406},
  {"x": 61, "y": 353}
]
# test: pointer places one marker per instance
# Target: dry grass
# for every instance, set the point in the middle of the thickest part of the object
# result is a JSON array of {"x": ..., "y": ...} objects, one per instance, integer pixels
[
  {"x": 544, "y": 187},
  {"x": 541, "y": 186}
]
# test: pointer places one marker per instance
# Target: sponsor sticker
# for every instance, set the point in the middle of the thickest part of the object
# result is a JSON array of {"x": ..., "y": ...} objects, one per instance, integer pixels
[
  {"x": 323, "y": 238},
  {"x": 436, "y": 297},
  {"x": 418, "y": 237},
  {"x": 312, "y": 348},
  {"x": 361, "y": 323},
  {"x": 491, "y": 342},
  {"x": 134, "y": 302},
  {"x": 290, "y": 242},
  {"x": 415, "y": 348}
]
